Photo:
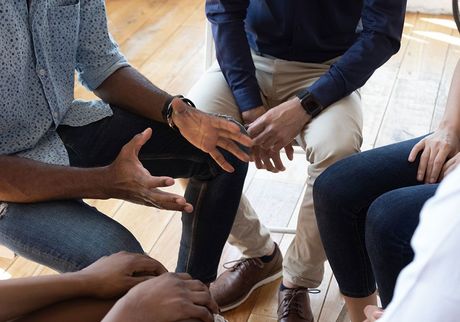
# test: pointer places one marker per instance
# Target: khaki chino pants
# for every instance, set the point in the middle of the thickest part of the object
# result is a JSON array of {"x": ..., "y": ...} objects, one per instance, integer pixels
[{"x": 331, "y": 136}]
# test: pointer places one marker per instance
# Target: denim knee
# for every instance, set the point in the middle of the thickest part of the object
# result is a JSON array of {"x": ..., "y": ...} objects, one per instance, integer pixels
[
  {"x": 379, "y": 223},
  {"x": 64, "y": 235},
  {"x": 108, "y": 243},
  {"x": 334, "y": 189},
  {"x": 387, "y": 220}
]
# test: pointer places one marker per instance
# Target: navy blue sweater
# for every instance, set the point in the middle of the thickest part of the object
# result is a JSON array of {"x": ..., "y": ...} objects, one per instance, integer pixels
[{"x": 365, "y": 33}]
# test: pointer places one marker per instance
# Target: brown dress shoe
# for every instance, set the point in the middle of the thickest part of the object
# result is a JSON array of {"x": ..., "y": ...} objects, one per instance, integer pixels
[
  {"x": 237, "y": 283},
  {"x": 294, "y": 305}
]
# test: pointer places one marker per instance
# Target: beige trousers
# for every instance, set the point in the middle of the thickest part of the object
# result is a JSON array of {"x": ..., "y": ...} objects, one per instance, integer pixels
[{"x": 333, "y": 135}]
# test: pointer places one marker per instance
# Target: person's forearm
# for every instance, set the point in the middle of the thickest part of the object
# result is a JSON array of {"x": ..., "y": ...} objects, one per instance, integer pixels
[
  {"x": 25, "y": 181},
  {"x": 121, "y": 311},
  {"x": 25, "y": 295},
  {"x": 128, "y": 89},
  {"x": 451, "y": 117}
]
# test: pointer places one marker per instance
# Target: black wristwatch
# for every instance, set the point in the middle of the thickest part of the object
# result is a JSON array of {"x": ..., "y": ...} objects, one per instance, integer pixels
[{"x": 309, "y": 103}]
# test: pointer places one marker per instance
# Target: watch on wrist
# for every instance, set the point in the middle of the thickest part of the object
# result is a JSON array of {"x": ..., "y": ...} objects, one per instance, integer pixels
[{"x": 309, "y": 103}]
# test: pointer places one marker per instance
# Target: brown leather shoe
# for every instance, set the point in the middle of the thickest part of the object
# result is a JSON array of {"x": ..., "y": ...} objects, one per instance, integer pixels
[
  {"x": 237, "y": 283},
  {"x": 294, "y": 305}
]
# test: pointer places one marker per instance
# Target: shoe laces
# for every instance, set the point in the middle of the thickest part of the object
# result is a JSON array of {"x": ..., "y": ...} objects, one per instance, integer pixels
[
  {"x": 291, "y": 304},
  {"x": 242, "y": 263}
]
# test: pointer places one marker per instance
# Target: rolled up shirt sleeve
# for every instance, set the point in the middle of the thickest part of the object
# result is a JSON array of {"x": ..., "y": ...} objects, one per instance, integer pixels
[
  {"x": 98, "y": 55},
  {"x": 382, "y": 22},
  {"x": 233, "y": 51}
]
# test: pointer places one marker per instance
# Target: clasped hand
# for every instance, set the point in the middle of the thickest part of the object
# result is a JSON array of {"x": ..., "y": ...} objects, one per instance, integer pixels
[{"x": 274, "y": 130}]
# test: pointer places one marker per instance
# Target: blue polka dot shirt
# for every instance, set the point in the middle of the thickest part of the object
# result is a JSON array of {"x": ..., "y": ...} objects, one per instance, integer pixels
[{"x": 41, "y": 47}]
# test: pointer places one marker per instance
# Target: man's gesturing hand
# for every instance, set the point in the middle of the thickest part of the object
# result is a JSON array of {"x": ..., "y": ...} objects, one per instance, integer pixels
[
  {"x": 208, "y": 132},
  {"x": 127, "y": 179}
]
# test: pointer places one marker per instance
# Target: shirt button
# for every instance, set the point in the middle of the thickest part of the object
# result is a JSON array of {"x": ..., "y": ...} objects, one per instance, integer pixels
[
  {"x": 55, "y": 115},
  {"x": 42, "y": 72}
]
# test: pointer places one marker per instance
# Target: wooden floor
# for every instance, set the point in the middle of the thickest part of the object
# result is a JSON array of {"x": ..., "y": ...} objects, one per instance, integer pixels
[{"x": 165, "y": 40}]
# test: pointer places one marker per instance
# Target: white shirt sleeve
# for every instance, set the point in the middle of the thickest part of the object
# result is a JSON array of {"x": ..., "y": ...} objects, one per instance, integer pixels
[{"x": 428, "y": 289}]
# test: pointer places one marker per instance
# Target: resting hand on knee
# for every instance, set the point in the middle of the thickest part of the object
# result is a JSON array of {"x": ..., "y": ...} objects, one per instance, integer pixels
[
  {"x": 111, "y": 277},
  {"x": 167, "y": 298},
  {"x": 435, "y": 150}
]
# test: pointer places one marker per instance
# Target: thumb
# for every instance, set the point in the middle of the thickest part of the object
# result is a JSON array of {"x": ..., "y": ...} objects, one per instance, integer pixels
[{"x": 140, "y": 139}]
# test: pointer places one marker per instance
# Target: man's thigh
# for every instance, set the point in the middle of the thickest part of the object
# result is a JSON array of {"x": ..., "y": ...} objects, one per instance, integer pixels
[
  {"x": 64, "y": 235},
  {"x": 213, "y": 95},
  {"x": 334, "y": 134}
]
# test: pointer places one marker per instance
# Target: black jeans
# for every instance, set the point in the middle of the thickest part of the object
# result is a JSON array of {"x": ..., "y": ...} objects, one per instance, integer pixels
[
  {"x": 368, "y": 207},
  {"x": 69, "y": 235}
]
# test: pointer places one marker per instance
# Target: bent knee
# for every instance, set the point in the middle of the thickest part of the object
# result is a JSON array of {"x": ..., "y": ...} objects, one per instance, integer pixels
[
  {"x": 387, "y": 216},
  {"x": 111, "y": 244},
  {"x": 324, "y": 152},
  {"x": 331, "y": 190}
]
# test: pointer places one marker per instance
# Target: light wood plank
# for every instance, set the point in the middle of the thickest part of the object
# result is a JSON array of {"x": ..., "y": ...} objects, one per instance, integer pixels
[
  {"x": 261, "y": 318},
  {"x": 145, "y": 223},
  {"x": 5, "y": 253},
  {"x": 378, "y": 89},
  {"x": 333, "y": 303},
  {"x": 453, "y": 56},
  {"x": 411, "y": 106},
  {"x": 166, "y": 248}
]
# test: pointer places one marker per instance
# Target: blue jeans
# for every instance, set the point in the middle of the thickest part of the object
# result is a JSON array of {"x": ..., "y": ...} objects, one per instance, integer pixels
[
  {"x": 68, "y": 235},
  {"x": 368, "y": 207}
]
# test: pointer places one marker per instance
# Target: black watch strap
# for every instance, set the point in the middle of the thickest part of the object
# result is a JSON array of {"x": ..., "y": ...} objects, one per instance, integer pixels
[
  {"x": 309, "y": 103},
  {"x": 167, "y": 110}
]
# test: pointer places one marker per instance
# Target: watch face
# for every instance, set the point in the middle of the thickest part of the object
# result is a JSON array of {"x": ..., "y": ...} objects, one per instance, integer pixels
[{"x": 311, "y": 106}]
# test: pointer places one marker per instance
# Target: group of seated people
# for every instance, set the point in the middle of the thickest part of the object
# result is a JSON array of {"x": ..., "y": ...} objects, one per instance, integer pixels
[{"x": 285, "y": 72}]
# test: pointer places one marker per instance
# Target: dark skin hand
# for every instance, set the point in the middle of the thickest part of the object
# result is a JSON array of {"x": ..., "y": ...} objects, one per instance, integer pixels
[
  {"x": 108, "y": 278},
  {"x": 167, "y": 298}
]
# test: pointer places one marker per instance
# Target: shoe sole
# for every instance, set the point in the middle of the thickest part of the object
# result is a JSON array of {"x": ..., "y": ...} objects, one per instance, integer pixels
[{"x": 256, "y": 286}]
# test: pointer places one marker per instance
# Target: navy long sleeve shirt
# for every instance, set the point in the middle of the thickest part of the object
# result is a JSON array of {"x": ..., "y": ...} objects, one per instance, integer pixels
[{"x": 365, "y": 33}]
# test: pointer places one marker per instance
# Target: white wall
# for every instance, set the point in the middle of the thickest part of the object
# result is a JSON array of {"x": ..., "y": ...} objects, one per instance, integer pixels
[{"x": 430, "y": 6}]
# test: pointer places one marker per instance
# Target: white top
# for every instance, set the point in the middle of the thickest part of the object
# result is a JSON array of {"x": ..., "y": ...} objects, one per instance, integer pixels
[{"x": 428, "y": 290}]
